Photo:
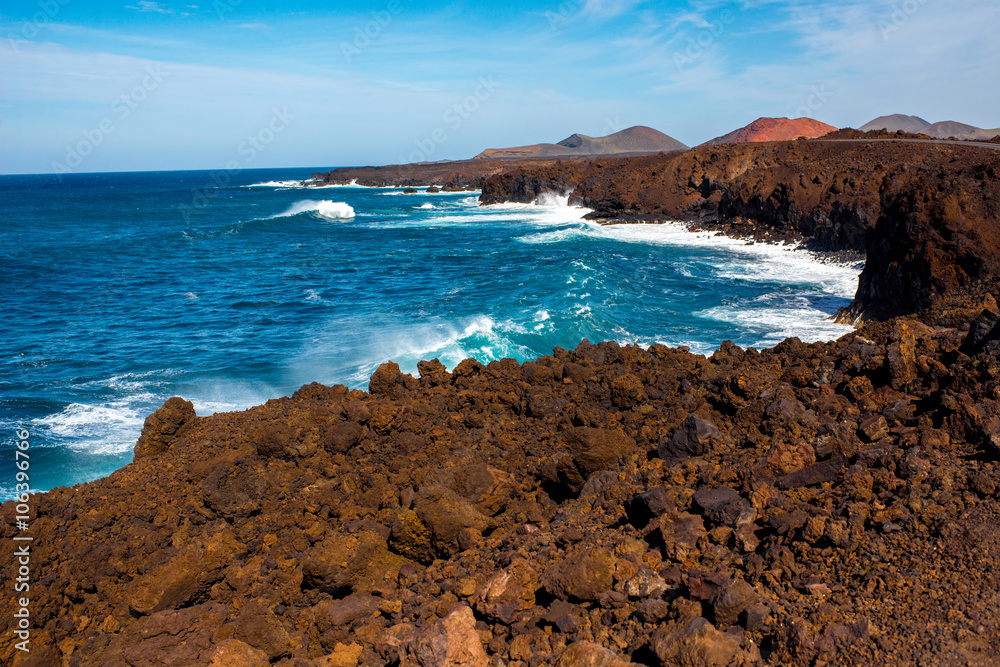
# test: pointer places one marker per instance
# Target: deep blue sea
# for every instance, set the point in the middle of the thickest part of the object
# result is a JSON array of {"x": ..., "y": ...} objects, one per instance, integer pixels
[{"x": 119, "y": 291}]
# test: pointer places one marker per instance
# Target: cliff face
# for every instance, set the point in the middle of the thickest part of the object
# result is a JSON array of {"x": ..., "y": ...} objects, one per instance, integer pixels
[
  {"x": 925, "y": 214},
  {"x": 834, "y": 502}
]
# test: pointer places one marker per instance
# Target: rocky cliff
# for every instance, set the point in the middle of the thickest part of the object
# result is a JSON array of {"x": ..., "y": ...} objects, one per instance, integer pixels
[
  {"x": 926, "y": 215},
  {"x": 810, "y": 504}
]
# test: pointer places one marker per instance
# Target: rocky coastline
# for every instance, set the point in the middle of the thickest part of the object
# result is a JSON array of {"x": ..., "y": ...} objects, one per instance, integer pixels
[{"x": 810, "y": 504}]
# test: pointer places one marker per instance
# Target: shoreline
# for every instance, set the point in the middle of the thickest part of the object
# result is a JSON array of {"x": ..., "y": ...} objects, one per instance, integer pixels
[
  {"x": 805, "y": 502},
  {"x": 626, "y": 495}
]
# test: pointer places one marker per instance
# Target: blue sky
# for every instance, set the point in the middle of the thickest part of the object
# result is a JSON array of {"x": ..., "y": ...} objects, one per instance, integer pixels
[{"x": 140, "y": 85}]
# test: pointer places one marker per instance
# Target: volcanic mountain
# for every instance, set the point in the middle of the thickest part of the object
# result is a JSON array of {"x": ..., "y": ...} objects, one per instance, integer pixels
[
  {"x": 774, "y": 129},
  {"x": 942, "y": 130},
  {"x": 633, "y": 141},
  {"x": 895, "y": 123}
]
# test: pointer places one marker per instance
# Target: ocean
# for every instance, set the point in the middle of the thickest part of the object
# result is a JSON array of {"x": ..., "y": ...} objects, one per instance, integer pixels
[{"x": 121, "y": 290}]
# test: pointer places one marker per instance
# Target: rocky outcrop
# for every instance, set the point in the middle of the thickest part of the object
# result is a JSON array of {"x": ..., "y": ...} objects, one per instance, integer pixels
[
  {"x": 925, "y": 215},
  {"x": 830, "y": 503},
  {"x": 163, "y": 427}
]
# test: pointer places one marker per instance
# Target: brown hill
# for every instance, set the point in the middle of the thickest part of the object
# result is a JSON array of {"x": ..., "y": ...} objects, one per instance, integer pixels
[
  {"x": 774, "y": 129},
  {"x": 895, "y": 123},
  {"x": 951, "y": 128},
  {"x": 941, "y": 130},
  {"x": 633, "y": 141}
]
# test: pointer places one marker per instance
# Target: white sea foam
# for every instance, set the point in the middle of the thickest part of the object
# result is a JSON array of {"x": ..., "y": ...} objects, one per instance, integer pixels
[
  {"x": 428, "y": 205},
  {"x": 325, "y": 208},
  {"x": 775, "y": 323},
  {"x": 552, "y": 199},
  {"x": 108, "y": 428},
  {"x": 306, "y": 184},
  {"x": 759, "y": 262},
  {"x": 276, "y": 184},
  {"x": 352, "y": 348}
]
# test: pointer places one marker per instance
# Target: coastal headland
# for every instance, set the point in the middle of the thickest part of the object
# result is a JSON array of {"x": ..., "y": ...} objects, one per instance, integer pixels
[{"x": 810, "y": 504}]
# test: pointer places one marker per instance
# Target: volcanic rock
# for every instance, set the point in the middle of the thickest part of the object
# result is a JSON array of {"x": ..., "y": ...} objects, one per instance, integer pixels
[
  {"x": 162, "y": 427},
  {"x": 449, "y": 642}
]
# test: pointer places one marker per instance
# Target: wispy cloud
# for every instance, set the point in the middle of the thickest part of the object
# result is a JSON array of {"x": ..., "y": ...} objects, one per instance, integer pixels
[
  {"x": 150, "y": 7},
  {"x": 262, "y": 27}
]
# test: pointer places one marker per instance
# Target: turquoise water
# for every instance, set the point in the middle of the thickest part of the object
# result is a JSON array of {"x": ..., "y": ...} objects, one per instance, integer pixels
[{"x": 121, "y": 290}]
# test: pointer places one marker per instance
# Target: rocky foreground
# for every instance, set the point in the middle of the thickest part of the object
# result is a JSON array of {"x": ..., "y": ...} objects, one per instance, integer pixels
[
  {"x": 810, "y": 504},
  {"x": 830, "y": 503}
]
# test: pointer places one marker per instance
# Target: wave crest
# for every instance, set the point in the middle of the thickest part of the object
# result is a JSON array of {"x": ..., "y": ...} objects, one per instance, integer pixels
[{"x": 324, "y": 208}]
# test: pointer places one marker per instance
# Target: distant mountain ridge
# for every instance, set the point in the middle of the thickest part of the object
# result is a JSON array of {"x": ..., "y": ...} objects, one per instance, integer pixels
[
  {"x": 940, "y": 130},
  {"x": 774, "y": 129},
  {"x": 635, "y": 140}
]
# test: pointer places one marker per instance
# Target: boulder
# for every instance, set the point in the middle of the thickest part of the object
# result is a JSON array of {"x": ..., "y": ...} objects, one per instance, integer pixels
[
  {"x": 588, "y": 654},
  {"x": 692, "y": 438},
  {"x": 732, "y": 600},
  {"x": 338, "y": 563},
  {"x": 721, "y": 506},
  {"x": 683, "y": 535},
  {"x": 643, "y": 508},
  {"x": 162, "y": 427},
  {"x": 386, "y": 380},
  {"x": 582, "y": 576},
  {"x": 448, "y": 642},
  {"x": 342, "y": 436},
  {"x": 699, "y": 644},
  {"x": 234, "y": 653},
  {"x": 341, "y": 614},
  {"x": 260, "y": 628},
  {"x": 186, "y": 578},
  {"x": 984, "y": 334},
  {"x": 587, "y": 450},
  {"x": 508, "y": 593}
]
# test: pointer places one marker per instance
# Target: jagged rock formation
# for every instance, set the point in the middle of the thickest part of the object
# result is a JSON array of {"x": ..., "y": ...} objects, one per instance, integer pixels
[
  {"x": 925, "y": 214},
  {"x": 833, "y": 502}
]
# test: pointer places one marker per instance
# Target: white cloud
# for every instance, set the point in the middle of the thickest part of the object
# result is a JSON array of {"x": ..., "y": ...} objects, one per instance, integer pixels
[{"x": 147, "y": 6}]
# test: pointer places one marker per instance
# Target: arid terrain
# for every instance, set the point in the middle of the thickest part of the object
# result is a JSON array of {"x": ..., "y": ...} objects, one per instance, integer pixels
[{"x": 811, "y": 504}]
